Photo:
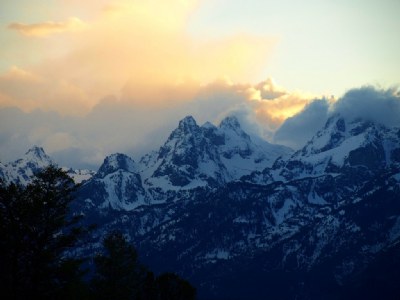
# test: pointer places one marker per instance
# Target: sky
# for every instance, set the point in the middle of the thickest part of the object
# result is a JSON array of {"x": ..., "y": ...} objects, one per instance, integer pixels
[{"x": 88, "y": 78}]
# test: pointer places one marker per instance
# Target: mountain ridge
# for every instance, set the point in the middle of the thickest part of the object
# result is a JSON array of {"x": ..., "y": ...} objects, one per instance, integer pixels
[{"x": 312, "y": 220}]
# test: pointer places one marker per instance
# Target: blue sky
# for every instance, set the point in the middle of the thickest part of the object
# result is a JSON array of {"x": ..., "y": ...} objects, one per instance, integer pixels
[{"x": 323, "y": 46}]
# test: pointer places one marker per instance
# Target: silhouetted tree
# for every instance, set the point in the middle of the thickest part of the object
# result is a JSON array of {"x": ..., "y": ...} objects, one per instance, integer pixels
[
  {"x": 37, "y": 229},
  {"x": 148, "y": 290},
  {"x": 170, "y": 286},
  {"x": 118, "y": 273},
  {"x": 35, "y": 232}
]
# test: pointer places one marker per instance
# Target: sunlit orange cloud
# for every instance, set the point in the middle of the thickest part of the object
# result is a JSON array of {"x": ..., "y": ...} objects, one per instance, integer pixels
[
  {"x": 266, "y": 103},
  {"x": 47, "y": 28},
  {"x": 141, "y": 52},
  {"x": 30, "y": 91},
  {"x": 272, "y": 104}
]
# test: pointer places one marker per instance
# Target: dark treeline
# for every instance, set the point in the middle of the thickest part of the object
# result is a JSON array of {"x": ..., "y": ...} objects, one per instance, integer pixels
[{"x": 36, "y": 232}]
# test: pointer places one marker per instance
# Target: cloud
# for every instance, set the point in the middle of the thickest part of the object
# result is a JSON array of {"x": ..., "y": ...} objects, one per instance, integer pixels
[
  {"x": 367, "y": 103},
  {"x": 48, "y": 28},
  {"x": 139, "y": 51},
  {"x": 268, "y": 89},
  {"x": 114, "y": 125},
  {"x": 272, "y": 104},
  {"x": 134, "y": 71},
  {"x": 28, "y": 91},
  {"x": 57, "y": 134},
  {"x": 262, "y": 116},
  {"x": 300, "y": 128}
]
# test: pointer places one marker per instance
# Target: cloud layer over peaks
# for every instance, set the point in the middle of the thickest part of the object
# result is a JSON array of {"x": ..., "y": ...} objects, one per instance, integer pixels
[
  {"x": 367, "y": 103},
  {"x": 382, "y": 106},
  {"x": 114, "y": 125}
]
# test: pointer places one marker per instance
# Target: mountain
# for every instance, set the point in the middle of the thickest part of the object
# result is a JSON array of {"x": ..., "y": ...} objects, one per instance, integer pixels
[
  {"x": 306, "y": 227},
  {"x": 243, "y": 154},
  {"x": 116, "y": 185},
  {"x": 193, "y": 159},
  {"x": 244, "y": 219},
  {"x": 21, "y": 170},
  {"x": 207, "y": 155},
  {"x": 34, "y": 160},
  {"x": 341, "y": 145},
  {"x": 189, "y": 158}
]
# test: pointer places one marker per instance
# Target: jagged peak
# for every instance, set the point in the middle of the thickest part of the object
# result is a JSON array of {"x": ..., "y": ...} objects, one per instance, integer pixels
[
  {"x": 115, "y": 162},
  {"x": 186, "y": 126},
  {"x": 37, "y": 152},
  {"x": 208, "y": 125},
  {"x": 188, "y": 121},
  {"x": 230, "y": 126},
  {"x": 230, "y": 122}
]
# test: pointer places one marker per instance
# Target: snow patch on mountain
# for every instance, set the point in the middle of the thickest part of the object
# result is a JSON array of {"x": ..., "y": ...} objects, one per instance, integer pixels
[{"x": 79, "y": 175}]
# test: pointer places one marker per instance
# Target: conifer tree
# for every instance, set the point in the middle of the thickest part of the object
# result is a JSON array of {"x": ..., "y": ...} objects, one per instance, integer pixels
[
  {"x": 35, "y": 232},
  {"x": 118, "y": 275}
]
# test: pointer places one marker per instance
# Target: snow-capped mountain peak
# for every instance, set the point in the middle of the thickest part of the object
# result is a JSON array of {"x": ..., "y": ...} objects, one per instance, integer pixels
[
  {"x": 116, "y": 185},
  {"x": 115, "y": 162},
  {"x": 186, "y": 125},
  {"x": 22, "y": 170},
  {"x": 199, "y": 156},
  {"x": 341, "y": 143},
  {"x": 342, "y": 136},
  {"x": 208, "y": 125},
  {"x": 38, "y": 155},
  {"x": 230, "y": 122},
  {"x": 191, "y": 157},
  {"x": 35, "y": 160},
  {"x": 231, "y": 126}
]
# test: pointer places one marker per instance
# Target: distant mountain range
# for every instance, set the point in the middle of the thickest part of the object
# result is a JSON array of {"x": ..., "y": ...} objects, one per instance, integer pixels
[{"x": 245, "y": 219}]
